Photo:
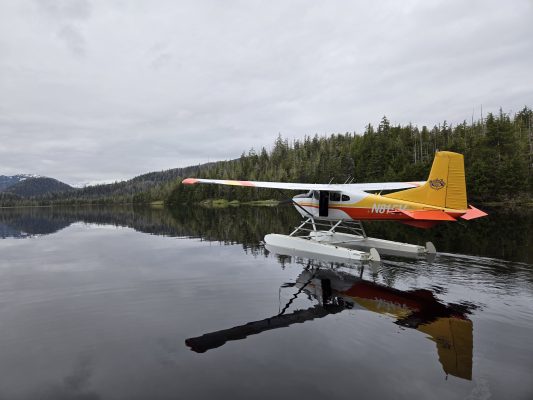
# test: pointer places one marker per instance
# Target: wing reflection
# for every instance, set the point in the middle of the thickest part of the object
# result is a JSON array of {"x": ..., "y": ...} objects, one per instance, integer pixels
[
  {"x": 336, "y": 290},
  {"x": 216, "y": 339}
]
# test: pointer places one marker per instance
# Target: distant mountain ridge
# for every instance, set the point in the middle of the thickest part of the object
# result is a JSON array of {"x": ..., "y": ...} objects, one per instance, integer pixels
[
  {"x": 7, "y": 181},
  {"x": 33, "y": 189},
  {"x": 40, "y": 186}
]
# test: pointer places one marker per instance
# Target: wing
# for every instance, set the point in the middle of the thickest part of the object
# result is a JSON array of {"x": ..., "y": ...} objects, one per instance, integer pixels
[
  {"x": 371, "y": 187},
  {"x": 309, "y": 186}
]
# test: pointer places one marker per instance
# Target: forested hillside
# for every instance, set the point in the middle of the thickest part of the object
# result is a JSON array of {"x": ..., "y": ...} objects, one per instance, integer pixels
[
  {"x": 38, "y": 187},
  {"x": 498, "y": 159},
  {"x": 153, "y": 185},
  {"x": 10, "y": 180},
  {"x": 498, "y": 154}
]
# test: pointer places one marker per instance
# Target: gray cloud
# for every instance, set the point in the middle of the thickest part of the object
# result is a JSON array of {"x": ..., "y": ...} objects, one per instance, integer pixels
[
  {"x": 65, "y": 16},
  {"x": 155, "y": 85},
  {"x": 65, "y": 9},
  {"x": 73, "y": 39},
  {"x": 74, "y": 386}
]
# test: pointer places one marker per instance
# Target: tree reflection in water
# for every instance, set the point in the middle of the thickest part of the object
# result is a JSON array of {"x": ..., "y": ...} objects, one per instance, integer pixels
[{"x": 505, "y": 234}]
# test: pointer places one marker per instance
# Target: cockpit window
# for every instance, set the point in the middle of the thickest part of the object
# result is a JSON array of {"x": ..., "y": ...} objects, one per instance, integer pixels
[
  {"x": 316, "y": 194},
  {"x": 345, "y": 198}
]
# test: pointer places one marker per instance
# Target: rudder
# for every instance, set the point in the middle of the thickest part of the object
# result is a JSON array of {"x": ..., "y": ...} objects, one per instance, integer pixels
[{"x": 445, "y": 186}]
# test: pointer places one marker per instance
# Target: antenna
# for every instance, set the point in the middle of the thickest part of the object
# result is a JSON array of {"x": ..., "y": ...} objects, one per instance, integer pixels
[
  {"x": 482, "y": 122},
  {"x": 331, "y": 180},
  {"x": 347, "y": 179}
]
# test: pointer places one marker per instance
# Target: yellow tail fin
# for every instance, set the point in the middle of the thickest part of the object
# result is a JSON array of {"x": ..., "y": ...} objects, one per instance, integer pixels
[{"x": 445, "y": 186}]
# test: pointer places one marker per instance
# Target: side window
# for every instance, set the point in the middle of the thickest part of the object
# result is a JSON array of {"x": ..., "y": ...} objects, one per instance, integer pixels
[
  {"x": 345, "y": 198},
  {"x": 308, "y": 195},
  {"x": 316, "y": 195},
  {"x": 333, "y": 196}
]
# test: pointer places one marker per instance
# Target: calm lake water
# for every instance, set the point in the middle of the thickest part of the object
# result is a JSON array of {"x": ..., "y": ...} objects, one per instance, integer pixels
[{"x": 124, "y": 303}]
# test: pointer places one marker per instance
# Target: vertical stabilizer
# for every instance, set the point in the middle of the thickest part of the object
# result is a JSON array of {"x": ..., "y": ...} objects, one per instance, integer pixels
[{"x": 445, "y": 186}]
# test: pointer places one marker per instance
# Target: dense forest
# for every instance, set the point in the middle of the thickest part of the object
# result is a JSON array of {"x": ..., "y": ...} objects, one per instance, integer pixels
[{"x": 498, "y": 152}]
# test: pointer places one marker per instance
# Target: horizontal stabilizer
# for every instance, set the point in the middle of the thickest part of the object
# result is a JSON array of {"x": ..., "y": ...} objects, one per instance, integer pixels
[
  {"x": 473, "y": 213},
  {"x": 428, "y": 215}
]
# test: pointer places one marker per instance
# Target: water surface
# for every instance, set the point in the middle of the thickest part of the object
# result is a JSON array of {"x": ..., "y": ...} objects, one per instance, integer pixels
[{"x": 124, "y": 303}]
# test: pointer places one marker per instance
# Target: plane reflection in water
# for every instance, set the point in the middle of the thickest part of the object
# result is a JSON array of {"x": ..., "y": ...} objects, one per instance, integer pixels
[{"x": 337, "y": 289}]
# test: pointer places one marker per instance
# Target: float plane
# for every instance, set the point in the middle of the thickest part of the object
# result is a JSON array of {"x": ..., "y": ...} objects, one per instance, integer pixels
[{"x": 333, "y": 212}]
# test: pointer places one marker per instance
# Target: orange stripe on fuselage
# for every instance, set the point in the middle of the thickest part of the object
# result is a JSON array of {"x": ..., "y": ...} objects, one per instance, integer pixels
[{"x": 365, "y": 213}]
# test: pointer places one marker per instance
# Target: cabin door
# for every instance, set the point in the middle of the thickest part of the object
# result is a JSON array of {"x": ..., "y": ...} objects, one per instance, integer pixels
[{"x": 323, "y": 203}]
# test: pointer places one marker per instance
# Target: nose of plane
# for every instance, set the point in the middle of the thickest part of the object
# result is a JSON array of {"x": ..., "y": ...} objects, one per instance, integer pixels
[{"x": 298, "y": 199}]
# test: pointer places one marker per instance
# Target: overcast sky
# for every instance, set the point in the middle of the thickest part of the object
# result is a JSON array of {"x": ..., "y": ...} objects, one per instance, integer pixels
[{"x": 104, "y": 90}]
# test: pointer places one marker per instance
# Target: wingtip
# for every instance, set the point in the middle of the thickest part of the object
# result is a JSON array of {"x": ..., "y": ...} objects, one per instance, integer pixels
[{"x": 189, "y": 181}]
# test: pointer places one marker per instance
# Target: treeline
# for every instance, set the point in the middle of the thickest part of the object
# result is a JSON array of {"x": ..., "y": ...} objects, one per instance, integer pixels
[{"x": 498, "y": 154}]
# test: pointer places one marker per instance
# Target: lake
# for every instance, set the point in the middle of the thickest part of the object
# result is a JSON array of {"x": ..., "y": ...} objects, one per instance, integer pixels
[{"x": 137, "y": 303}]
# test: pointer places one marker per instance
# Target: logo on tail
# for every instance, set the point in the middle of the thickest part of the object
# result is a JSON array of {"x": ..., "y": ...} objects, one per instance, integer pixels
[{"x": 437, "y": 184}]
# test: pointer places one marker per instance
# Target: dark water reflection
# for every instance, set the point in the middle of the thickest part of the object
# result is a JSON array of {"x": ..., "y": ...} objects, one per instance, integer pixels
[
  {"x": 506, "y": 234},
  {"x": 91, "y": 309}
]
